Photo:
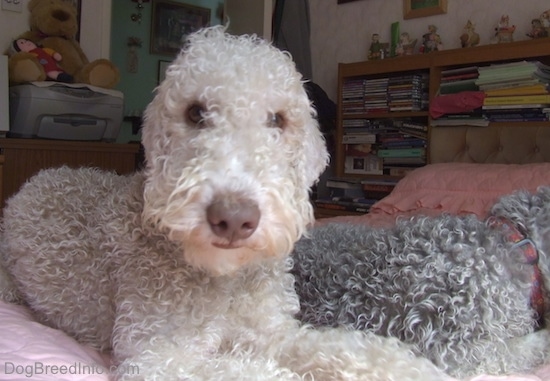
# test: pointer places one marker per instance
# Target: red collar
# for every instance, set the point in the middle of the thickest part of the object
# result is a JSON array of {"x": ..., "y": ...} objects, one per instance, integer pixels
[{"x": 520, "y": 241}]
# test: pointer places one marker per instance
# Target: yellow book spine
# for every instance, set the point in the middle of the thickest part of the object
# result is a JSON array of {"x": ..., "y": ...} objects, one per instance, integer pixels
[
  {"x": 525, "y": 90},
  {"x": 520, "y": 99}
]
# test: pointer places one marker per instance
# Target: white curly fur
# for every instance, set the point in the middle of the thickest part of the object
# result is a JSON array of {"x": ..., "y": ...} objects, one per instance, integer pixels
[
  {"x": 134, "y": 264},
  {"x": 453, "y": 287}
]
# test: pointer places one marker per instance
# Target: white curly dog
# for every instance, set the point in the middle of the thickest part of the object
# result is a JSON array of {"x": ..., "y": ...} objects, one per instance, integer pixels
[{"x": 182, "y": 270}]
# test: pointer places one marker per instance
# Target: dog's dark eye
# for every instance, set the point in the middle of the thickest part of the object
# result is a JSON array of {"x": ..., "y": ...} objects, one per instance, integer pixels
[
  {"x": 195, "y": 113},
  {"x": 276, "y": 120}
]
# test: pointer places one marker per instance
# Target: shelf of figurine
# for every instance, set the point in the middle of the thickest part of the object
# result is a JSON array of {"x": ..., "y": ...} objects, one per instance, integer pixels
[
  {"x": 406, "y": 45},
  {"x": 378, "y": 50},
  {"x": 431, "y": 41},
  {"x": 504, "y": 32},
  {"x": 540, "y": 27},
  {"x": 469, "y": 37}
]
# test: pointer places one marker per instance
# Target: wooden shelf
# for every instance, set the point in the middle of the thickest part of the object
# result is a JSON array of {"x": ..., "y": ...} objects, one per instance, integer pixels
[
  {"x": 433, "y": 64},
  {"x": 23, "y": 158}
]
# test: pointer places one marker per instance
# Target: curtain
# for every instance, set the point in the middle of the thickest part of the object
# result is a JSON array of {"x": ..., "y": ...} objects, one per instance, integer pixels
[{"x": 291, "y": 32}]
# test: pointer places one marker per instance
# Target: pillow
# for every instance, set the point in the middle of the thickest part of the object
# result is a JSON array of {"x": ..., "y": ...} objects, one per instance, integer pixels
[
  {"x": 462, "y": 188},
  {"x": 30, "y": 350}
]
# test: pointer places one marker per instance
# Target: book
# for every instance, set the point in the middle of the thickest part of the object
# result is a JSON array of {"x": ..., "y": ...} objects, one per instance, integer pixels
[
  {"x": 518, "y": 118},
  {"x": 517, "y": 99},
  {"x": 535, "y": 89},
  {"x": 370, "y": 164},
  {"x": 400, "y": 171},
  {"x": 358, "y": 150},
  {"x": 456, "y": 77},
  {"x": 404, "y": 161},
  {"x": 481, "y": 121},
  {"x": 342, "y": 205},
  {"x": 510, "y": 84},
  {"x": 458, "y": 86},
  {"x": 405, "y": 152},
  {"x": 343, "y": 182},
  {"x": 344, "y": 187},
  {"x": 532, "y": 106},
  {"x": 359, "y": 138},
  {"x": 378, "y": 190},
  {"x": 355, "y": 200},
  {"x": 460, "y": 70}
]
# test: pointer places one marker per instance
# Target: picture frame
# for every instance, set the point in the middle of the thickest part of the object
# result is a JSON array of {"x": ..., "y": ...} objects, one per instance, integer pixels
[
  {"x": 172, "y": 22},
  {"x": 423, "y": 8},
  {"x": 162, "y": 66}
]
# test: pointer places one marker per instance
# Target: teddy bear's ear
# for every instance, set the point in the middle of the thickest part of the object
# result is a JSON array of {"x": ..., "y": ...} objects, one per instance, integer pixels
[{"x": 32, "y": 4}]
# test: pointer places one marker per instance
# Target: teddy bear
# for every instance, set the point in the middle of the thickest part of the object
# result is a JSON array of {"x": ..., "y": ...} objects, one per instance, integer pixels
[{"x": 54, "y": 25}]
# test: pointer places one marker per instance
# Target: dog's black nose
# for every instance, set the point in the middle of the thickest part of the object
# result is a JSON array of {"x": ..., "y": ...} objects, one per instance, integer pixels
[{"x": 233, "y": 219}]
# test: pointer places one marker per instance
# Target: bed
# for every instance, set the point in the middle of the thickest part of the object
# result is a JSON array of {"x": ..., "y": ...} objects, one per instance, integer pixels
[{"x": 471, "y": 167}]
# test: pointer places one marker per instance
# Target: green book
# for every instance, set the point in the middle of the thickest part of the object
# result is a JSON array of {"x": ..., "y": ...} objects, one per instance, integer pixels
[{"x": 402, "y": 152}]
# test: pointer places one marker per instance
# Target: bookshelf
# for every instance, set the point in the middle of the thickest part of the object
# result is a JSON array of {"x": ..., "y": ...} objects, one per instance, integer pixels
[{"x": 431, "y": 65}]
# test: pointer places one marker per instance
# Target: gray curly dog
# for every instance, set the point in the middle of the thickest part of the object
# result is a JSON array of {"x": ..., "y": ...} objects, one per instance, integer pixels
[{"x": 468, "y": 294}]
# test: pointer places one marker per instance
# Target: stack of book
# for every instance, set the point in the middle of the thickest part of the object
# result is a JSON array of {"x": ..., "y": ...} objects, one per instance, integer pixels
[
  {"x": 417, "y": 129},
  {"x": 391, "y": 147},
  {"x": 474, "y": 118},
  {"x": 404, "y": 146},
  {"x": 353, "y": 92},
  {"x": 380, "y": 95},
  {"x": 515, "y": 92},
  {"x": 456, "y": 80},
  {"x": 377, "y": 189},
  {"x": 345, "y": 194},
  {"x": 358, "y": 131},
  {"x": 359, "y": 138},
  {"x": 408, "y": 157},
  {"x": 376, "y": 95},
  {"x": 363, "y": 161},
  {"x": 408, "y": 92}
]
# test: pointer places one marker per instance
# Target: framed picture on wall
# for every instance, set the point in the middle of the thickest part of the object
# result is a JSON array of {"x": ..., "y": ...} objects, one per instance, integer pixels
[
  {"x": 423, "y": 8},
  {"x": 172, "y": 22}
]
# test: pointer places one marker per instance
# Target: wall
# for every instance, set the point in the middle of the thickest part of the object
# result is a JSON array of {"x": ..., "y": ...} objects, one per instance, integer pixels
[
  {"x": 342, "y": 33},
  {"x": 138, "y": 87},
  {"x": 11, "y": 25},
  {"x": 95, "y": 27}
]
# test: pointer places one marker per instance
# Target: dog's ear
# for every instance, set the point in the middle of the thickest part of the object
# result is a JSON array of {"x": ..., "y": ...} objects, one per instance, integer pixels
[{"x": 315, "y": 151}]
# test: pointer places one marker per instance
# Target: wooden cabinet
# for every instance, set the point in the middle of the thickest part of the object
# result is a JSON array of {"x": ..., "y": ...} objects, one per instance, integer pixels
[
  {"x": 432, "y": 64},
  {"x": 22, "y": 158}
]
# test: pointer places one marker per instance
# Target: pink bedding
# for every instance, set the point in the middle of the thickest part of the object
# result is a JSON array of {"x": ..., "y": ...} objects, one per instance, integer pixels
[
  {"x": 29, "y": 350},
  {"x": 456, "y": 188}
]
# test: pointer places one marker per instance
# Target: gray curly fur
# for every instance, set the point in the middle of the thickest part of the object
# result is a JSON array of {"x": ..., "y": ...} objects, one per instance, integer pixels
[{"x": 453, "y": 287}]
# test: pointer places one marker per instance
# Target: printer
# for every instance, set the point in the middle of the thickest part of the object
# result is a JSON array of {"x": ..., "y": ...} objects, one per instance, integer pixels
[{"x": 54, "y": 110}]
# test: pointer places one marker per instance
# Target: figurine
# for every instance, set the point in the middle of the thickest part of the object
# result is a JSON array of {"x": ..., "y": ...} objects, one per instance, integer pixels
[
  {"x": 405, "y": 47},
  {"x": 377, "y": 49},
  {"x": 537, "y": 30},
  {"x": 504, "y": 32},
  {"x": 469, "y": 37},
  {"x": 545, "y": 20},
  {"x": 431, "y": 42},
  {"x": 48, "y": 58}
]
